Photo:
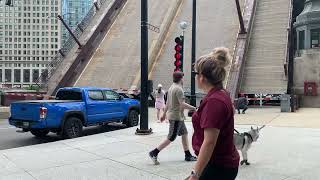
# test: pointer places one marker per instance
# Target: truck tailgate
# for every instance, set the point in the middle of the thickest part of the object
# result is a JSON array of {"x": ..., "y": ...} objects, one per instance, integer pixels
[{"x": 25, "y": 111}]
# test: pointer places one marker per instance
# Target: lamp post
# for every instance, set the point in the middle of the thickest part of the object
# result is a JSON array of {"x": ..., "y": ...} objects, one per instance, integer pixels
[
  {"x": 145, "y": 86},
  {"x": 193, "y": 101}
]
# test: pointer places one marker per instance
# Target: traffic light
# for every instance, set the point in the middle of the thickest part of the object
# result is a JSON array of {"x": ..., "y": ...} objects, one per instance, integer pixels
[{"x": 178, "y": 63}]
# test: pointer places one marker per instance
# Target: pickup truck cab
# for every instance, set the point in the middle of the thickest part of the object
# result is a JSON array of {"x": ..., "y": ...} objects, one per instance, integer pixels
[{"x": 72, "y": 109}]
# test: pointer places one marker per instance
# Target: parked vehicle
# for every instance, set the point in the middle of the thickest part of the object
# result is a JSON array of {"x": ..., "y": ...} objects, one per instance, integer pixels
[{"x": 72, "y": 109}]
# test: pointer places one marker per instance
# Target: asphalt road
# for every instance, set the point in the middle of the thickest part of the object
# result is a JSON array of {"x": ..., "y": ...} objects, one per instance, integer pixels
[{"x": 9, "y": 138}]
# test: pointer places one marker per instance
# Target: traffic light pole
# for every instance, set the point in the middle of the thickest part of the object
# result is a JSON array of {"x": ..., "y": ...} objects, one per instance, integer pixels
[
  {"x": 182, "y": 50},
  {"x": 193, "y": 101},
  {"x": 144, "y": 71}
]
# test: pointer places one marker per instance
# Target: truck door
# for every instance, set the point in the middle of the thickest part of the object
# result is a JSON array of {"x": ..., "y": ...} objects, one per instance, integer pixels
[
  {"x": 96, "y": 107},
  {"x": 115, "y": 101}
]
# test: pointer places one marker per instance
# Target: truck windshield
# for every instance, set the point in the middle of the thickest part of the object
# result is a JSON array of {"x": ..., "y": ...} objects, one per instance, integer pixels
[{"x": 69, "y": 95}]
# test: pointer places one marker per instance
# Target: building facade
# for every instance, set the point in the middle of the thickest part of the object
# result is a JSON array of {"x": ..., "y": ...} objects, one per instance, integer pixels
[
  {"x": 307, "y": 60},
  {"x": 30, "y": 35},
  {"x": 73, "y": 11}
]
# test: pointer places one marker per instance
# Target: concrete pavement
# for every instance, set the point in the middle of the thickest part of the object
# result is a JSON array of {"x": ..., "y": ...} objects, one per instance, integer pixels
[{"x": 282, "y": 153}]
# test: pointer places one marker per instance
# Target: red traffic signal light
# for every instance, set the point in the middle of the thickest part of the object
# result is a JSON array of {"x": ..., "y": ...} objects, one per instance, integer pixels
[
  {"x": 178, "y": 47},
  {"x": 177, "y": 56},
  {"x": 177, "y": 63}
]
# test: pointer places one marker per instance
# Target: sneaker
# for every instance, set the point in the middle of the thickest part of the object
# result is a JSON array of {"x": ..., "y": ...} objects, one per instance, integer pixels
[
  {"x": 243, "y": 112},
  {"x": 154, "y": 158},
  {"x": 190, "y": 158}
]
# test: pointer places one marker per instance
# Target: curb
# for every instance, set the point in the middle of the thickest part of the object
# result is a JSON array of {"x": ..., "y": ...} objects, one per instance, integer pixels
[{"x": 155, "y": 48}]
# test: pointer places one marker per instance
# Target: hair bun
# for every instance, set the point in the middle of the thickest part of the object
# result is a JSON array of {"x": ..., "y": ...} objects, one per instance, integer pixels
[{"x": 222, "y": 56}]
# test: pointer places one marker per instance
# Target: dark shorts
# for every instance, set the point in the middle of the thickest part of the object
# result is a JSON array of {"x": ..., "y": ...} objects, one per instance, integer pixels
[
  {"x": 213, "y": 171},
  {"x": 176, "y": 128}
]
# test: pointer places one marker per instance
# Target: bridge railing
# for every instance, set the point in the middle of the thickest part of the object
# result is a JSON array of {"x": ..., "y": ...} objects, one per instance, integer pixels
[
  {"x": 289, "y": 40},
  {"x": 56, "y": 60}
]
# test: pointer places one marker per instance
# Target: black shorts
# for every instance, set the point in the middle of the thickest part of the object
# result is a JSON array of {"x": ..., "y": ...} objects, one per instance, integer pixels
[
  {"x": 213, "y": 171},
  {"x": 176, "y": 128}
]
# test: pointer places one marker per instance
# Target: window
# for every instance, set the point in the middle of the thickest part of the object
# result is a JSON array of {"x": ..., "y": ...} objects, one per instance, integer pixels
[
  {"x": 96, "y": 95},
  {"x": 26, "y": 74},
  {"x": 69, "y": 95},
  {"x": 315, "y": 38},
  {"x": 17, "y": 75},
  {"x": 111, "y": 95},
  {"x": 35, "y": 74},
  {"x": 7, "y": 74}
]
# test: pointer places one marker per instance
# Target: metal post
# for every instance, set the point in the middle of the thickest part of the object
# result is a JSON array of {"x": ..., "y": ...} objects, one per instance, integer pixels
[
  {"x": 182, "y": 50},
  {"x": 144, "y": 71},
  {"x": 242, "y": 28},
  {"x": 96, "y": 5},
  {"x": 193, "y": 101},
  {"x": 69, "y": 30}
]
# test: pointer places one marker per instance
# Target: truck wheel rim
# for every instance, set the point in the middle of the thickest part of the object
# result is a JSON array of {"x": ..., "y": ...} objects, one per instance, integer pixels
[
  {"x": 74, "y": 129},
  {"x": 134, "y": 117}
]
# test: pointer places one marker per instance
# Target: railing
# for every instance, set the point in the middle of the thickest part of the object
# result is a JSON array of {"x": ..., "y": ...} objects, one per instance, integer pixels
[
  {"x": 56, "y": 60},
  {"x": 289, "y": 40}
]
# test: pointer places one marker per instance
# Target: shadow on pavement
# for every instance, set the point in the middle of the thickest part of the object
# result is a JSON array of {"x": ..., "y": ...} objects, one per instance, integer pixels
[{"x": 27, "y": 139}]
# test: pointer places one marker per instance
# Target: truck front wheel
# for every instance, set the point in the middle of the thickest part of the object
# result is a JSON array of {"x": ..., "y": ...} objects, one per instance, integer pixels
[
  {"x": 133, "y": 118},
  {"x": 72, "y": 128},
  {"x": 39, "y": 132}
]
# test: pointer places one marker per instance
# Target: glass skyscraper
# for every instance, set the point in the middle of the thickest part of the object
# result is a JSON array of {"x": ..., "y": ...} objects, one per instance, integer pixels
[{"x": 73, "y": 11}]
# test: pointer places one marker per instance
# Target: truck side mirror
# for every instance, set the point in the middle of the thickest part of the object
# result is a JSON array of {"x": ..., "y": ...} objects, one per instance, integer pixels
[{"x": 120, "y": 98}]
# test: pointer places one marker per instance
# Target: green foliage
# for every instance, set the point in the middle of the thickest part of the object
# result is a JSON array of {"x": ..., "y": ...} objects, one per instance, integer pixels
[{"x": 33, "y": 88}]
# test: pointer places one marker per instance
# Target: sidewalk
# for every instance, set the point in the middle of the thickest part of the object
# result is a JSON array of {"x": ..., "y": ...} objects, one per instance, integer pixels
[{"x": 281, "y": 153}]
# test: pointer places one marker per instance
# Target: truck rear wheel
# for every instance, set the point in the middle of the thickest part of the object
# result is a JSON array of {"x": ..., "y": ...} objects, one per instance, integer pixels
[
  {"x": 133, "y": 118},
  {"x": 39, "y": 132},
  {"x": 72, "y": 128}
]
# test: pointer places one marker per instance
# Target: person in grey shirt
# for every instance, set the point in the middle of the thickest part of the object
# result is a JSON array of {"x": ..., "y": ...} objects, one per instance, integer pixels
[
  {"x": 242, "y": 103},
  {"x": 174, "y": 112}
]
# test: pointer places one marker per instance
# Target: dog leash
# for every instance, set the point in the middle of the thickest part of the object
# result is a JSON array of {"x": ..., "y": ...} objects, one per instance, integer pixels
[{"x": 236, "y": 131}]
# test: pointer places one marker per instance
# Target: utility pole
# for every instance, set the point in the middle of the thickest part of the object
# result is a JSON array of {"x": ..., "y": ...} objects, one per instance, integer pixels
[
  {"x": 144, "y": 129},
  {"x": 193, "y": 101}
]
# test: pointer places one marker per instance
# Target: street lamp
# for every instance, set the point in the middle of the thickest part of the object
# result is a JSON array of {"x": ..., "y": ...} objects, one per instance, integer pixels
[
  {"x": 67, "y": 27},
  {"x": 183, "y": 25}
]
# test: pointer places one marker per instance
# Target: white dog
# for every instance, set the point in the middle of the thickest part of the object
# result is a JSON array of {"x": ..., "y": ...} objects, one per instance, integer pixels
[{"x": 244, "y": 140}]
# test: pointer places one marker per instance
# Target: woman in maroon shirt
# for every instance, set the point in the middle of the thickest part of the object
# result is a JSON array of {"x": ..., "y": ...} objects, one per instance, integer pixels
[{"x": 213, "y": 122}]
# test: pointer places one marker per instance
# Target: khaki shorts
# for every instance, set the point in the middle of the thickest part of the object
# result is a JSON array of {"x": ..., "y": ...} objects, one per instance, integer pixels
[{"x": 176, "y": 128}]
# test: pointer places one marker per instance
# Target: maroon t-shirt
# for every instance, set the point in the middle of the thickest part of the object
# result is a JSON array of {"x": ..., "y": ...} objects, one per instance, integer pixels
[{"x": 216, "y": 111}]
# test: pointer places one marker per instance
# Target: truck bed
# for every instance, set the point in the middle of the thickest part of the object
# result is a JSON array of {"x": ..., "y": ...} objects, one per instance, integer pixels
[{"x": 48, "y": 101}]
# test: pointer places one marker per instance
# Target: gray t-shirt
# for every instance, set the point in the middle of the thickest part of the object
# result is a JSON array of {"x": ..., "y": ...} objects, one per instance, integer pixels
[{"x": 175, "y": 112}]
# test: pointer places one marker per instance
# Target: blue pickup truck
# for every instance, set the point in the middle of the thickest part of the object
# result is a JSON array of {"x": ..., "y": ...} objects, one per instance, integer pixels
[{"x": 73, "y": 108}]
